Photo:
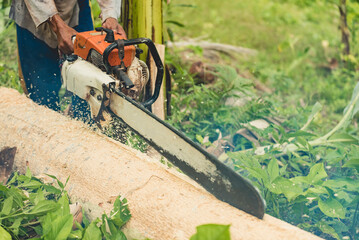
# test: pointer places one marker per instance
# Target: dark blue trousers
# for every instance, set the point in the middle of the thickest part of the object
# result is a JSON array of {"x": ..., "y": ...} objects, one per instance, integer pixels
[{"x": 40, "y": 66}]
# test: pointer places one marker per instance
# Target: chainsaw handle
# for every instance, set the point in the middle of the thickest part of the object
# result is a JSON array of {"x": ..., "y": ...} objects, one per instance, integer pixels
[{"x": 151, "y": 46}]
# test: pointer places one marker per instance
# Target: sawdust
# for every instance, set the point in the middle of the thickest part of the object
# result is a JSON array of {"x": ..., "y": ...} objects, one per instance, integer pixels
[{"x": 164, "y": 204}]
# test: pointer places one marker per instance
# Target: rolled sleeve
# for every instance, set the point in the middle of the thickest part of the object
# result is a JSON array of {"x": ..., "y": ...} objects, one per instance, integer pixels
[
  {"x": 41, "y": 11},
  {"x": 110, "y": 8}
]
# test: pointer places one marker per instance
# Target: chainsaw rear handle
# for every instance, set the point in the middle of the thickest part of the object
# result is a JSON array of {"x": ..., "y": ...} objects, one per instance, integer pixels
[{"x": 151, "y": 46}]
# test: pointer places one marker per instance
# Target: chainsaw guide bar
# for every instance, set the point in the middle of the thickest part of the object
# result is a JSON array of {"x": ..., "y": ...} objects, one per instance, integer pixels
[
  {"x": 204, "y": 168},
  {"x": 100, "y": 73}
]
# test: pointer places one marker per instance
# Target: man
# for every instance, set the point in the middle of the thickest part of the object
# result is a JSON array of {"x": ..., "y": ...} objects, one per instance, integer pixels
[{"x": 44, "y": 29}]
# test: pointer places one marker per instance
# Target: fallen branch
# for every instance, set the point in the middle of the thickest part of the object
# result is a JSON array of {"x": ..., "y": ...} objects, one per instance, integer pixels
[{"x": 220, "y": 47}]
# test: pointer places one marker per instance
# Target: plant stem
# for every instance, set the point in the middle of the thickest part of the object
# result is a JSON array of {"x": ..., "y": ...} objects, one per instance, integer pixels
[
  {"x": 30, "y": 223},
  {"x": 352, "y": 230}
]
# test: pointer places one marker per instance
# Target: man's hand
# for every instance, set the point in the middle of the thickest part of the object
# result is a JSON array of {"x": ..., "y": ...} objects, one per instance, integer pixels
[
  {"x": 64, "y": 34},
  {"x": 111, "y": 23}
]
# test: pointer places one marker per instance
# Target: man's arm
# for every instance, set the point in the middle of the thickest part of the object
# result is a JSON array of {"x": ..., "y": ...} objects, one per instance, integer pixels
[
  {"x": 45, "y": 10},
  {"x": 64, "y": 34},
  {"x": 110, "y": 12}
]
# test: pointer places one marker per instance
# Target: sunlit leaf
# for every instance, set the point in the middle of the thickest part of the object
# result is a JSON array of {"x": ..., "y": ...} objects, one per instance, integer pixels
[
  {"x": 120, "y": 214},
  {"x": 43, "y": 207},
  {"x": 92, "y": 232},
  {"x": 332, "y": 208},
  {"x": 4, "y": 235},
  {"x": 273, "y": 169},
  {"x": 7, "y": 206},
  {"x": 316, "y": 173},
  {"x": 60, "y": 228},
  {"x": 212, "y": 232}
]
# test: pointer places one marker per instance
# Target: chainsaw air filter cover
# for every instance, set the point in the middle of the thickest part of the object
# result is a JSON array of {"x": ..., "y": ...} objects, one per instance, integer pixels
[{"x": 86, "y": 42}]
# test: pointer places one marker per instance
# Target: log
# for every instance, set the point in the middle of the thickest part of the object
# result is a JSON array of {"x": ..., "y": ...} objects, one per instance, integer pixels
[
  {"x": 164, "y": 203},
  {"x": 220, "y": 47}
]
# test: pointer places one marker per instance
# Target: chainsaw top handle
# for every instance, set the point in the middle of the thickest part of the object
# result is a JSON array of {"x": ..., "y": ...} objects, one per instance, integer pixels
[{"x": 120, "y": 44}]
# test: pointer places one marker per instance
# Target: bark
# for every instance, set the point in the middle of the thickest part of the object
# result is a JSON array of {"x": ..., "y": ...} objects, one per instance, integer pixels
[
  {"x": 164, "y": 203},
  {"x": 144, "y": 19},
  {"x": 344, "y": 27}
]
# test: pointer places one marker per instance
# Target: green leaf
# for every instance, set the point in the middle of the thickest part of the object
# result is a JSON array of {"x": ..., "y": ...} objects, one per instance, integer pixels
[
  {"x": 6, "y": 209},
  {"x": 52, "y": 189},
  {"x": 316, "y": 174},
  {"x": 92, "y": 232},
  {"x": 175, "y": 23},
  {"x": 343, "y": 138},
  {"x": 64, "y": 206},
  {"x": 4, "y": 235},
  {"x": 60, "y": 228},
  {"x": 342, "y": 183},
  {"x": 77, "y": 234},
  {"x": 35, "y": 198},
  {"x": 354, "y": 103},
  {"x": 118, "y": 236},
  {"x": 18, "y": 196},
  {"x": 315, "y": 110},
  {"x": 325, "y": 228},
  {"x": 212, "y": 232},
  {"x": 273, "y": 169},
  {"x": 61, "y": 185},
  {"x": 285, "y": 186},
  {"x": 332, "y": 208},
  {"x": 33, "y": 184},
  {"x": 28, "y": 173},
  {"x": 16, "y": 225},
  {"x": 43, "y": 207},
  {"x": 120, "y": 214},
  {"x": 352, "y": 163}
]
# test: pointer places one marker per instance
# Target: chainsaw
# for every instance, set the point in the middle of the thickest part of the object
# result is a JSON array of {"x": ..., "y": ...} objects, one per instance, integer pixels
[{"x": 105, "y": 70}]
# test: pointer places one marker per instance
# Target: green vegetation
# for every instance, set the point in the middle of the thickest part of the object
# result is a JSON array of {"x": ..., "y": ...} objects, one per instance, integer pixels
[
  {"x": 306, "y": 166},
  {"x": 31, "y": 209}
]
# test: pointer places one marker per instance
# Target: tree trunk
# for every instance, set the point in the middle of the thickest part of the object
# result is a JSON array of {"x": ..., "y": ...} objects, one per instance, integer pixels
[
  {"x": 144, "y": 18},
  {"x": 344, "y": 27},
  {"x": 164, "y": 203}
]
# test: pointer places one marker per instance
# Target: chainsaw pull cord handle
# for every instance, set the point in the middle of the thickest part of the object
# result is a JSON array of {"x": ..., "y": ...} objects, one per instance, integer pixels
[{"x": 151, "y": 46}]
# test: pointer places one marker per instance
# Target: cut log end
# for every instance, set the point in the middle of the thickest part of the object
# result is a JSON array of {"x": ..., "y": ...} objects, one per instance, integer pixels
[{"x": 7, "y": 156}]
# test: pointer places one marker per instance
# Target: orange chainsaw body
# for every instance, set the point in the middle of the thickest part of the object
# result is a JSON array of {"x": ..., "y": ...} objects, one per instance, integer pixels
[{"x": 86, "y": 41}]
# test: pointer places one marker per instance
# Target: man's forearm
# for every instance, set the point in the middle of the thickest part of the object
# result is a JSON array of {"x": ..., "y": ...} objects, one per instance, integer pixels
[{"x": 64, "y": 34}]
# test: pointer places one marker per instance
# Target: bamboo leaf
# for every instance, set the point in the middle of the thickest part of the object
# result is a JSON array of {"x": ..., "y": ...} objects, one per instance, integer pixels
[{"x": 175, "y": 23}]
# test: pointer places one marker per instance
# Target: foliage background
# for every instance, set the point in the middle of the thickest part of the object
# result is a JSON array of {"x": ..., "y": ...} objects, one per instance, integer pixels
[{"x": 300, "y": 60}]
